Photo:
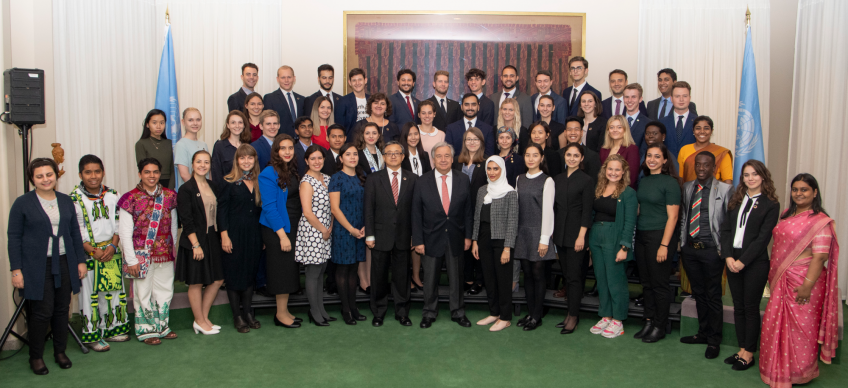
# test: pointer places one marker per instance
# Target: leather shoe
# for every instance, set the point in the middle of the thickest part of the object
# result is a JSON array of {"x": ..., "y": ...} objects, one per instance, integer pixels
[
  {"x": 38, "y": 367},
  {"x": 712, "y": 352},
  {"x": 462, "y": 321},
  {"x": 348, "y": 319},
  {"x": 475, "y": 289},
  {"x": 358, "y": 316},
  {"x": 467, "y": 286},
  {"x": 63, "y": 360},
  {"x": 404, "y": 321},
  {"x": 294, "y": 324},
  {"x": 523, "y": 321},
  {"x": 654, "y": 335},
  {"x": 732, "y": 359},
  {"x": 741, "y": 364},
  {"x": 253, "y": 323},
  {"x": 560, "y": 325},
  {"x": 566, "y": 330},
  {"x": 241, "y": 324},
  {"x": 693, "y": 339},
  {"x": 332, "y": 319},
  {"x": 645, "y": 329},
  {"x": 426, "y": 322},
  {"x": 377, "y": 322},
  {"x": 532, "y": 324},
  {"x": 639, "y": 302}
]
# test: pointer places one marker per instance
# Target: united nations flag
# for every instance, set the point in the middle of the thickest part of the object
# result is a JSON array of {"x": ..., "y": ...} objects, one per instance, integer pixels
[{"x": 749, "y": 129}]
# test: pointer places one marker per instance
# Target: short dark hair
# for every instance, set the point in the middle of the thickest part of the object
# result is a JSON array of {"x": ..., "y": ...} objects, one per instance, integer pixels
[
  {"x": 544, "y": 72},
  {"x": 509, "y": 67},
  {"x": 354, "y": 72},
  {"x": 618, "y": 71},
  {"x": 336, "y": 126},
  {"x": 703, "y": 118},
  {"x": 657, "y": 124},
  {"x": 251, "y": 65},
  {"x": 406, "y": 71},
  {"x": 467, "y": 95},
  {"x": 670, "y": 72},
  {"x": 326, "y": 67},
  {"x": 394, "y": 142},
  {"x": 574, "y": 118},
  {"x": 549, "y": 97},
  {"x": 89, "y": 159},
  {"x": 147, "y": 161},
  {"x": 475, "y": 72},
  {"x": 579, "y": 58},
  {"x": 378, "y": 97},
  {"x": 300, "y": 120},
  {"x": 706, "y": 153},
  {"x": 41, "y": 162},
  {"x": 429, "y": 103}
]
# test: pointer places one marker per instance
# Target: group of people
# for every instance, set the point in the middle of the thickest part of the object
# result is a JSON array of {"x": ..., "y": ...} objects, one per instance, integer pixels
[{"x": 371, "y": 190}]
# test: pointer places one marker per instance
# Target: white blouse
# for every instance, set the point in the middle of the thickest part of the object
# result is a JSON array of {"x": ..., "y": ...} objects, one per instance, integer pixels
[{"x": 742, "y": 219}]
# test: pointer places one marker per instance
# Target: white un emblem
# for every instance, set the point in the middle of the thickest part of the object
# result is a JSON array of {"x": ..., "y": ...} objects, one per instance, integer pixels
[{"x": 746, "y": 136}]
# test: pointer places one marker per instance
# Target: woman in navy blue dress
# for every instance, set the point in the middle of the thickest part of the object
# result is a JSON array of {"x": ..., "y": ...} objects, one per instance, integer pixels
[{"x": 348, "y": 247}]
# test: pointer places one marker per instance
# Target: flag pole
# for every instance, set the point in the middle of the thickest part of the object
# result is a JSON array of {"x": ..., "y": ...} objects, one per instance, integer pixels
[
  {"x": 168, "y": 16},
  {"x": 747, "y": 16}
]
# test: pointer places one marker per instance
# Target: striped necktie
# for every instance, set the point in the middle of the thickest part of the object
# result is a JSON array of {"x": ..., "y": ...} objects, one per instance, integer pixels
[{"x": 695, "y": 214}]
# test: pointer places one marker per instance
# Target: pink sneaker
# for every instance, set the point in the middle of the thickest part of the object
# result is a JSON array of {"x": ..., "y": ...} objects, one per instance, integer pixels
[
  {"x": 600, "y": 326},
  {"x": 615, "y": 329}
]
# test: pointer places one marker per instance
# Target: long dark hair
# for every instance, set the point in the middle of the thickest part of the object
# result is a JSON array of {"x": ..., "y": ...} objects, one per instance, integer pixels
[
  {"x": 817, "y": 201},
  {"x": 360, "y": 173},
  {"x": 247, "y": 111},
  {"x": 285, "y": 170},
  {"x": 767, "y": 186},
  {"x": 404, "y": 136},
  {"x": 580, "y": 149},
  {"x": 667, "y": 168},
  {"x": 311, "y": 150},
  {"x": 544, "y": 164},
  {"x": 145, "y": 132}
]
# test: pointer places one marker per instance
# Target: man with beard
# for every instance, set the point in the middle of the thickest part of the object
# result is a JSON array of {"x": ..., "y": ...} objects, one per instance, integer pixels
[
  {"x": 455, "y": 131},
  {"x": 404, "y": 104},
  {"x": 249, "y": 78},
  {"x": 447, "y": 110},
  {"x": 509, "y": 79},
  {"x": 326, "y": 75}
]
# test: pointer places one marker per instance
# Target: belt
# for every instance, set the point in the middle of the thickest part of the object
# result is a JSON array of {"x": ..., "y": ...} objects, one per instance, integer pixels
[{"x": 699, "y": 245}]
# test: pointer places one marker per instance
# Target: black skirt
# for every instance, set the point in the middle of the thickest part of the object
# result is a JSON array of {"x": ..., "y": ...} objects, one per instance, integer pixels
[
  {"x": 205, "y": 271},
  {"x": 282, "y": 272}
]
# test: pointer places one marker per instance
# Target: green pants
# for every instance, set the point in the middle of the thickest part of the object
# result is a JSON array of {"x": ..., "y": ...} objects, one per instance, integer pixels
[{"x": 611, "y": 277}]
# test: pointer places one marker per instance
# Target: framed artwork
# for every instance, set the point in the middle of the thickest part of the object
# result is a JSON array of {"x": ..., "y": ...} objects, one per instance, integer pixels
[{"x": 384, "y": 42}]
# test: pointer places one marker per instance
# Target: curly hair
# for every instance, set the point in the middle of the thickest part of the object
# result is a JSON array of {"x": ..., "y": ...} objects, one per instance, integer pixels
[
  {"x": 603, "y": 181},
  {"x": 359, "y": 141},
  {"x": 285, "y": 170},
  {"x": 767, "y": 187}
]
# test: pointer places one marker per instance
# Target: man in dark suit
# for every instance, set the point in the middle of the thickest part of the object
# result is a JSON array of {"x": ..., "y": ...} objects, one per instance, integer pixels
[
  {"x": 249, "y": 78},
  {"x": 578, "y": 68},
  {"x": 352, "y": 107},
  {"x": 635, "y": 117},
  {"x": 404, "y": 104},
  {"x": 269, "y": 123},
  {"x": 544, "y": 81},
  {"x": 304, "y": 140},
  {"x": 662, "y": 106},
  {"x": 456, "y": 130},
  {"x": 476, "y": 80},
  {"x": 447, "y": 110},
  {"x": 326, "y": 76},
  {"x": 336, "y": 137},
  {"x": 547, "y": 109},
  {"x": 284, "y": 101},
  {"x": 574, "y": 134},
  {"x": 388, "y": 227},
  {"x": 680, "y": 121},
  {"x": 509, "y": 79},
  {"x": 441, "y": 232},
  {"x": 614, "y": 105}
]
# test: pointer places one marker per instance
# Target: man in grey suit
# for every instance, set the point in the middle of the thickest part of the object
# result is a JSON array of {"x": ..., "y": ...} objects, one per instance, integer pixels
[
  {"x": 635, "y": 118},
  {"x": 509, "y": 79},
  {"x": 662, "y": 106}
]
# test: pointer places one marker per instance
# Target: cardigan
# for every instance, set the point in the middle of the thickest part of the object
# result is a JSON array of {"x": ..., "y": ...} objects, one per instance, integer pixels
[
  {"x": 192, "y": 214},
  {"x": 504, "y": 216},
  {"x": 625, "y": 219}
]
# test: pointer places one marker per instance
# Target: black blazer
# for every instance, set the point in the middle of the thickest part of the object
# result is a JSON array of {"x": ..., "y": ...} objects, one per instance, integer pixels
[
  {"x": 236, "y": 101},
  {"x": 485, "y": 111},
  {"x": 554, "y": 162},
  {"x": 436, "y": 230},
  {"x": 556, "y": 130},
  {"x": 277, "y": 101},
  {"x": 595, "y": 134},
  {"x": 346, "y": 112},
  {"x": 330, "y": 163},
  {"x": 192, "y": 214},
  {"x": 572, "y": 206},
  {"x": 300, "y": 153},
  {"x": 28, "y": 232},
  {"x": 423, "y": 156},
  {"x": 309, "y": 101},
  {"x": 479, "y": 179},
  {"x": 389, "y": 223},
  {"x": 761, "y": 220},
  {"x": 443, "y": 118},
  {"x": 591, "y": 162},
  {"x": 514, "y": 164},
  {"x": 567, "y": 95}
]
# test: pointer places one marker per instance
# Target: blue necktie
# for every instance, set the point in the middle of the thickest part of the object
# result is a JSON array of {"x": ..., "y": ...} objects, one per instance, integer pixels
[
  {"x": 679, "y": 129},
  {"x": 630, "y": 121},
  {"x": 291, "y": 107},
  {"x": 662, "y": 109}
]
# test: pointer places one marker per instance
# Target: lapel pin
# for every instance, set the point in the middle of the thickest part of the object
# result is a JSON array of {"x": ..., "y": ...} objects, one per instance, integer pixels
[
  {"x": 198, "y": 194},
  {"x": 404, "y": 178}
]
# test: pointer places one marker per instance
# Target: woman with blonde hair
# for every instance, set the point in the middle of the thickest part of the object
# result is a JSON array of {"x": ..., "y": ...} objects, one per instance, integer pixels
[
  {"x": 510, "y": 117},
  {"x": 186, "y": 147},
  {"x": 618, "y": 141},
  {"x": 322, "y": 119},
  {"x": 224, "y": 150}
]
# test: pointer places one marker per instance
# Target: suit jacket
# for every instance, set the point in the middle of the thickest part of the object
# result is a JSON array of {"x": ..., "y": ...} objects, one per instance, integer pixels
[
  {"x": 309, "y": 101},
  {"x": 560, "y": 108},
  {"x": 236, "y": 101},
  {"x": 455, "y": 131},
  {"x": 346, "y": 112},
  {"x": 591, "y": 162},
  {"x": 389, "y": 223},
  {"x": 608, "y": 108},
  {"x": 485, "y": 112},
  {"x": 28, "y": 233},
  {"x": 263, "y": 151},
  {"x": 330, "y": 163},
  {"x": 637, "y": 130},
  {"x": 572, "y": 206},
  {"x": 363, "y": 162},
  {"x": 479, "y": 178},
  {"x": 424, "y": 157},
  {"x": 626, "y": 211},
  {"x": 192, "y": 214},
  {"x": 278, "y": 102},
  {"x": 671, "y": 133},
  {"x": 654, "y": 108},
  {"x": 595, "y": 134},
  {"x": 400, "y": 111},
  {"x": 762, "y": 218},
  {"x": 300, "y": 153},
  {"x": 443, "y": 118},
  {"x": 572, "y": 108},
  {"x": 525, "y": 106},
  {"x": 719, "y": 197},
  {"x": 557, "y": 129},
  {"x": 437, "y": 231}
]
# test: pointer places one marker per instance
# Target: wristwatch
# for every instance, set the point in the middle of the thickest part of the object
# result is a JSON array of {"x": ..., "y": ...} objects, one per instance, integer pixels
[{"x": 625, "y": 249}]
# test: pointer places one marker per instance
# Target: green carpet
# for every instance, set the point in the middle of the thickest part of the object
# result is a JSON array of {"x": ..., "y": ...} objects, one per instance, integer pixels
[{"x": 395, "y": 356}]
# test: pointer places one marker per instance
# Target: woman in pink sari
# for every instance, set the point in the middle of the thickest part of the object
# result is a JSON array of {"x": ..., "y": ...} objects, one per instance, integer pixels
[{"x": 804, "y": 310}]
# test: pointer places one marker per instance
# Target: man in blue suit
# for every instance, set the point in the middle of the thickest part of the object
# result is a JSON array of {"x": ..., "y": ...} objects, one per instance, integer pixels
[
  {"x": 578, "y": 67},
  {"x": 269, "y": 123},
  {"x": 352, "y": 107},
  {"x": 455, "y": 131},
  {"x": 679, "y": 123},
  {"x": 326, "y": 78},
  {"x": 476, "y": 80},
  {"x": 544, "y": 81},
  {"x": 249, "y": 78},
  {"x": 635, "y": 117},
  {"x": 287, "y": 104},
  {"x": 404, "y": 104},
  {"x": 614, "y": 105},
  {"x": 662, "y": 106}
]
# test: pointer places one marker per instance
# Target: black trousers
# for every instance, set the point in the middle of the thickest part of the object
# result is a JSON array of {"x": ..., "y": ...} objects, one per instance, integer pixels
[
  {"x": 704, "y": 268},
  {"x": 432, "y": 275},
  {"x": 534, "y": 286},
  {"x": 653, "y": 275},
  {"x": 381, "y": 262},
  {"x": 574, "y": 271},
  {"x": 51, "y": 310},
  {"x": 497, "y": 276},
  {"x": 472, "y": 270},
  {"x": 746, "y": 287}
]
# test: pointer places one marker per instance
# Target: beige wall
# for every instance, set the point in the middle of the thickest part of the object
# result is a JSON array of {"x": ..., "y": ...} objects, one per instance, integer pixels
[{"x": 784, "y": 14}]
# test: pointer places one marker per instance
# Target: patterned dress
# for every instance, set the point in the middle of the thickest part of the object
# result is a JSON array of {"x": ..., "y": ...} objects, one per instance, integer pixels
[
  {"x": 311, "y": 248},
  {"x": 346, "y": 248}
]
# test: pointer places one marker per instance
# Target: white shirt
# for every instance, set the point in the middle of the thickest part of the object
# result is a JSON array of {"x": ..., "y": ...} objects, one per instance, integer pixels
[
  {"x": 634, "y": 116},
  {"x": 548, "y": 194},
  {"x": 576, "y": 89},
  {"x": 465, "y": 121},
  {"x": 503, "y": 96},
  {"x": 246, "y": 90},
  {"x": 449, "y": 182},
  {"x": 414, "y": 161},
  {"x": 404, "y": 96},
  {"x": 740, "y": 223},
  {"x": 103, "y": 227},
  {"x": 286, "y": 95},
  {"x": 539, "y": 97},
  {"x": 623, "y": 109},
  {"x": 399, "y": 180},
  {"x": 439, "y": 101},
  {"x": 335, "y": 155},
  {"x": 676, "y": 117},
  {"x": 361, "y": 112}
]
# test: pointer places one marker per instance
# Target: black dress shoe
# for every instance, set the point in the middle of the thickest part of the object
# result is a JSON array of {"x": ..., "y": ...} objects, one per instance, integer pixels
[
  {"x": 358, "y": 316},
  {"x": 656, "y": 334},
  {"x": 645, "y": 329},
  {"x": 712, "y": 352},
  {"x": 63, "y": 360},
  {"x": 521, "y": 322},
  {"x": 315, "y": 321},
  {"x": 694, "y": 339},
  {"x": 241, "y": 324},
  {"x": 348, "y": 319},
  {"x": 377, "y": 322},
  {"x": 38, "y": 367},
  {"x": 426, "y": 322},
  {"x": 404, "y": 321},
  {"x": 467, "y": 286},
  {"x": 332, "y": 319},
  {"x": 732, "y": 359},
  {"x": 639, "y": 302},
  {"x": 462, "y": 321},
  {"x": 475, "y": 289},
  {"x": 531, "y": 324},
  {"x": 362, "y": 290},
  {"x": 569, "y": 331},
  {"x": 294, "y": 324},
  {"x": 252, "y": 322},
  {"x": 741, "y": 364},
  {"x": 298, "y": 320}
]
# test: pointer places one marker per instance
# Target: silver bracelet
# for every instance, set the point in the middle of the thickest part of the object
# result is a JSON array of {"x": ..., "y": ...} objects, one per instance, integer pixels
[
  {"x": 15, "y": 274},
  {"x": 811, "y": 281}
]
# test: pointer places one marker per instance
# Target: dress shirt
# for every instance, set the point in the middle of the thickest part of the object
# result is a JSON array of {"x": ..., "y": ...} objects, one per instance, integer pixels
[
  {"x": 633, "y": 116},
  {"x": 677, "y": 117},
  {"x": 668, "y": 107},
  {"x": 465, "y": 121},
  {"x": 414, "y": 161},
  {"x": 269, "y": 140},
  {"x": 742, "y": 218},
  {"x": 246, "y": 90},
  {"x": 404, "y": 96},
  {"x": 335, "y": 155},
  {"x": 449, "y": 182},
  {"x": 575, "y": 89},
  {"x": 548, "y": 198},
  {"x": 304, "y": 145},
  {"x": 439, "y": 101},
  {"x": 511, "y": 95},
  {"x": 479, "y": 96},
  {"x": 621, "y": 105}
]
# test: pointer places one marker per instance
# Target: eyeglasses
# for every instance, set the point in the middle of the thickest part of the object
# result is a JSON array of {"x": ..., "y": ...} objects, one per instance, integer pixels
[
  {"x": 576, "y": 68},
  {"x": 472, "y": 140},
  {"x": 393, "y": 154}
]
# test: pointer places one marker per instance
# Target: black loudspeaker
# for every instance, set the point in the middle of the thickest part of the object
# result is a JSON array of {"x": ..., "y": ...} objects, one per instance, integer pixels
[{"x": 24, "y": 92}]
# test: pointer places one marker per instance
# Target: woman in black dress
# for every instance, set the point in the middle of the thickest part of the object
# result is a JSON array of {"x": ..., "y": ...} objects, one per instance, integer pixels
[
  {"x": 540, "y": 133},
  {"x": 239, "y": 207},
  {"x": 199, "y": 256},
  {"x": 471, "y": 162}
]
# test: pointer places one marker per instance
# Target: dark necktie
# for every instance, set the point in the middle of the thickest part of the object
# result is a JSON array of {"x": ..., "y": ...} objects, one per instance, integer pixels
[
  {"x": 617, "y": 107},
  {"x": 291, "y": 107},
  {"x": 679, "y": 129},
  {"x": 573, "y": 98},
  {"x": 409, "y": 105},
  {"x": 695, "y": 214},
  {"x": 630, "y": 121},
  {"x": 330, "y": 97},
  {"x": 746, "y": 211},
  {"x": 662, "y": 109},
  {"x": 506, "y": 95},
  {"x": 443, "y": 106},
  {"x": 469, "y": 124}
]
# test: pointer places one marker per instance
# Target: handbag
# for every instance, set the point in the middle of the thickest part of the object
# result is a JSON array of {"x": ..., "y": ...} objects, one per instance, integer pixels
[{"x": 143, "y": 255}]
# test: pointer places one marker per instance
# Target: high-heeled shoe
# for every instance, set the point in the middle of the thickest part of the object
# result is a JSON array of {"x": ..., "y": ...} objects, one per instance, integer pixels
[
  {"x": 568, "y": 320},
  {"x": 294, "y": 324},
  {"x": 348, "y": 319},
  {"x": 197, "y": 329},
  {"x": 313, "y": 320}
]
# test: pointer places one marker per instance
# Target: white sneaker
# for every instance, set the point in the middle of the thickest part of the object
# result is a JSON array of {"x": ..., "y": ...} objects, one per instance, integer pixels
[
  {"x": 600, "y": 326},
  {"x": 615, "y": 329}
]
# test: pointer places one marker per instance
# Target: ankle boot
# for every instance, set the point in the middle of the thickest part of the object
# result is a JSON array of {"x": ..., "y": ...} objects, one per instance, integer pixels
[{"x": 240, "y": 324}]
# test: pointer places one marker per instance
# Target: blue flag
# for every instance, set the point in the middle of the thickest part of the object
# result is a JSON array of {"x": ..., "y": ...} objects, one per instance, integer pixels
[
  {"x": 749, "y": 128},
  {"x": 166, "y": 92}
]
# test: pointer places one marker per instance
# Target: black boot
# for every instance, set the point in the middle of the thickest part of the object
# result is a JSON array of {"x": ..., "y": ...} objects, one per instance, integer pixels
[
  {"x": 241, "y": 324},
  {"x": 645, "y": 329}
]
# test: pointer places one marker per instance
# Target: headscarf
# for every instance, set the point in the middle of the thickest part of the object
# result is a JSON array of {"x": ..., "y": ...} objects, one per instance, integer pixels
[
  {"x": 509, "y": 131},
  {"x": 500, "y": 187}
]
